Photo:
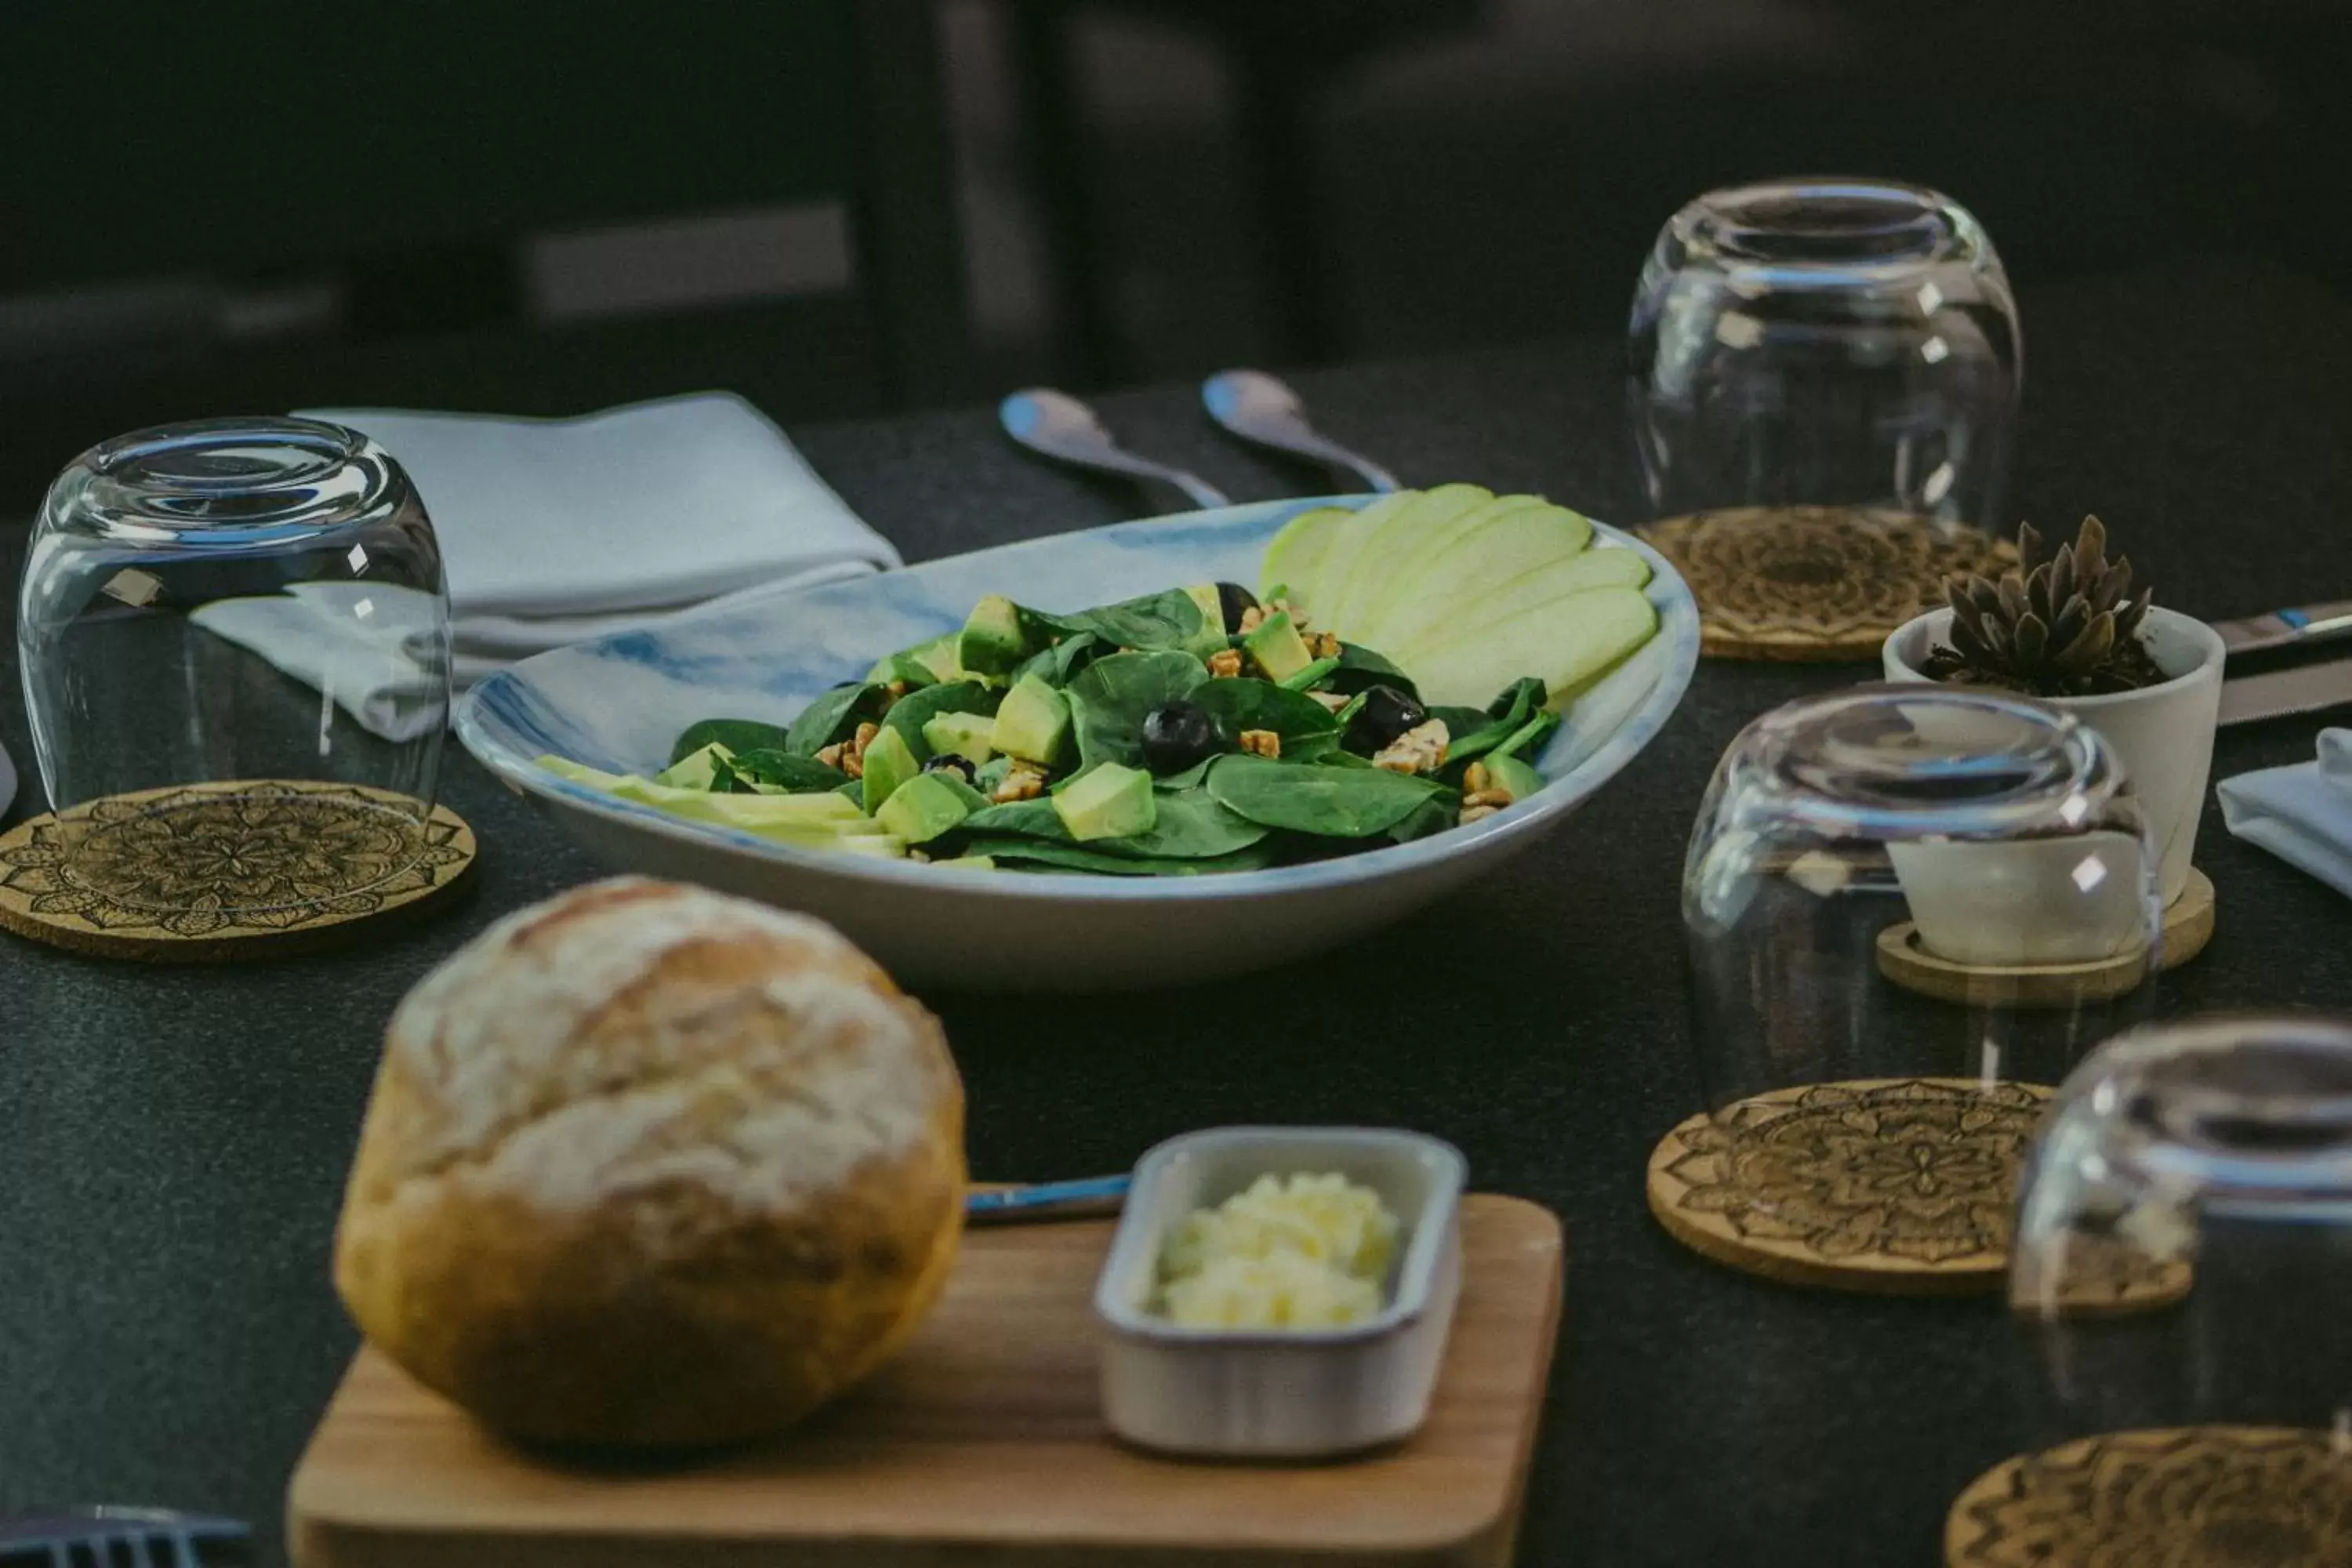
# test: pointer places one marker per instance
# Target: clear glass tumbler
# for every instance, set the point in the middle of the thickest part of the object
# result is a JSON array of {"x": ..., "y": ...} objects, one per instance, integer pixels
[
  {"x": 234, "y": 637},
  {"x": 1823, "y": 378},
  {"x": 234, "y": 600},
  {"x": 2213, "y": 1424},
  {"x": 1908, "y": 913}
]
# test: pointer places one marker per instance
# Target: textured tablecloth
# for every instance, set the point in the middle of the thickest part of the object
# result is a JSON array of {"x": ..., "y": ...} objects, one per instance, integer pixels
[{"x": 172, "y": 1142}]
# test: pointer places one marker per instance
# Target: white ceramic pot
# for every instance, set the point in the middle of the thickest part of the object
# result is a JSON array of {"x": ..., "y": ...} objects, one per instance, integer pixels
[{"x": 2162, "y": 734}]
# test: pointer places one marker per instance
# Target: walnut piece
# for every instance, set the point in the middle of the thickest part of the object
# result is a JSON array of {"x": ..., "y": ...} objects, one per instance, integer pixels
[
  {"x": 1252, "y": 618},
  {"x": 1226, "y": 663},
  {"x": 1261, "y": 743},
  {"x": 1020, "y": 782},
  {"x": 1471, "y": 813},
  {"x": 1420, "y": 750}
]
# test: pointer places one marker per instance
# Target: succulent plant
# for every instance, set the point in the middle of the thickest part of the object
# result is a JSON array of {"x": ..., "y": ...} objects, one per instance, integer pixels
[{"x": 2055, "y": 627}]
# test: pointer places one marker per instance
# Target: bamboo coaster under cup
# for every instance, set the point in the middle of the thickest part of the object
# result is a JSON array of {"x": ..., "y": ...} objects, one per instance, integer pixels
[
  {"x": 1893, "y": 1186},
  {"x": 1906, "y": 960},
  {"x": 235, "y": 869},
  {"x": 1817, "y": 584}
]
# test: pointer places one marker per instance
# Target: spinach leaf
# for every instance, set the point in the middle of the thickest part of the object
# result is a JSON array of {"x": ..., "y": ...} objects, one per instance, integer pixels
[
  {"x": 1460, "y": 724},
  {"x": 1169, "y": 619},
  {"x": 1359, "y": 667},
  {"x": 1189, "y": 826},
  {"x": 1528, "y": 735},
  {"x": 1306, "y": 797},
  {"x": 1109, "y": 698},
  {"x": 912, "y": 711},
  {"x": 903, "y": 666},
  {"x": 1520, "y": 698},
  {"x": 1235, "y": 704},
  {"x": 1435, "y": 815},
  {"x": 1306, "y": 678},
  {"x": 855, "y": 792},
  {"x": 1186, "y": 778},
  {"x": 1503, "y": 718},
  {"x": 1056, "y": 665},
  {"x": 793, "y": 774},
  {"x": 832, "y": 716},
  {"x": 735, "y": 735},
  {"x": 1087, "y": 858}
]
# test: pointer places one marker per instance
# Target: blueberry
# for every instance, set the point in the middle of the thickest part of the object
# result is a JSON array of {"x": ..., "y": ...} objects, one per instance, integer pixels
[
  {"x": 1386, "y": 714},
  {"x": 1233, "y": 599},
  {"x": 1176, "y": 735},
  {"x": 950, "y": 763}
]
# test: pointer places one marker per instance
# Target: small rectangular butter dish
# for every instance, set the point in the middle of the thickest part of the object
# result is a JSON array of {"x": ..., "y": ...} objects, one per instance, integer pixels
[{"x": 1281, "y": 1393}]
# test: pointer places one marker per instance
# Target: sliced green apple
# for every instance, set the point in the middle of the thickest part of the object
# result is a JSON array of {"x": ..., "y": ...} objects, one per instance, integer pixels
[
  {"x": 1454, "y": 581},
  {"x": 1440, "y": 621},
  {"x": 1296, "y": 555},
  {"x": 1365, "y": 560},
  {"x": 1565, "y": 643}
]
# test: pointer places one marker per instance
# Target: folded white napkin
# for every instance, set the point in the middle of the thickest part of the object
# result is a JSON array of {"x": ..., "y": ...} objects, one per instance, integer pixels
[
  {"x": 554, "y": 531},
  {"x": 2301, "y": 812},
  {"x": 369, "y": 648}
]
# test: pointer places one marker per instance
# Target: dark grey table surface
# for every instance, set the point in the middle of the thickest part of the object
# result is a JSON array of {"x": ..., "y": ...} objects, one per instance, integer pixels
[{"x": 172, "y": 1142}]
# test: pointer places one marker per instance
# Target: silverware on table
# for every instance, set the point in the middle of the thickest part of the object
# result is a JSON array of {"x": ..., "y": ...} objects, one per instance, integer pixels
[
  {"x": 1256, "y": 407},
  {"x": 1057, "y": 425},
  {"x": 7, "y": 781},
  {"x": 2305, "y": 689},
  {"x": 2278, "y": 628},
  {"x": 1015, "y": 1204},
  {"x": 147, "y": 1537}
]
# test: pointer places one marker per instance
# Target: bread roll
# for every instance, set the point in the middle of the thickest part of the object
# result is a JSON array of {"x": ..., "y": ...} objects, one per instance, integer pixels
[{"x": 645, "y": 1164}]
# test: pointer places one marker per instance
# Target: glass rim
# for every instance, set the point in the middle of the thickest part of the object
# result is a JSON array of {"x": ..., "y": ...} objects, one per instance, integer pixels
[
  {"x": 1830, "y": 230},
  {"x": 231, "y": 483},
  {"x": 2007, "y": 766},
  {"x": 2210, "y": 1100}
]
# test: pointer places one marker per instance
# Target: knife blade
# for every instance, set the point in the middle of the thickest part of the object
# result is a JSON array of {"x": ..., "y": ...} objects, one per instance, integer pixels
[
  {"x": 2278, "y": 628},
  {"x": 51, "y": 1541},
  {"x": 2307, "y": 688}
]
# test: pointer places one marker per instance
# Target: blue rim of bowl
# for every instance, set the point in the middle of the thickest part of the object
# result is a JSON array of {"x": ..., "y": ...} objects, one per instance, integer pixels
[{"x": 1678, "y": 622}]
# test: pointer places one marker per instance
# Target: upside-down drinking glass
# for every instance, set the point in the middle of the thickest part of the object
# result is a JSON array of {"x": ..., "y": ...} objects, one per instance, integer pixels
[
  {"x": 2211, "y": 1425},
  {"x": 1910, "y": 911},
  {"x": 1825, "y": 375},
  {"x": 232, "y": 600}
]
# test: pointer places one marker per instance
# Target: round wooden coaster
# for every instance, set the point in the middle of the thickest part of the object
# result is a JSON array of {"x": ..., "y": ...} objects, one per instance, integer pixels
[
  {"x": 237, "y": 869},
  {"x": 1904, "y": 959},
  {"x": 1817, "y": 583},
  {"x": 1897, "y": 1185},
  {"x": 2186, "y": 1497}
]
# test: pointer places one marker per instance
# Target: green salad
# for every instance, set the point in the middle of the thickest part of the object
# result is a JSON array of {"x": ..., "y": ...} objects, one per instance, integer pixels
[
  {"x": 1200, "y": 729},
  {"x": 1187, "y": 731}
]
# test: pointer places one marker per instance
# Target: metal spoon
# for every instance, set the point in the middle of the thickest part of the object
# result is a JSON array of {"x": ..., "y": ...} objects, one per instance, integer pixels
[
  {"x": 1256, "y": 407},
  {"x": 1060, "y": 426}
]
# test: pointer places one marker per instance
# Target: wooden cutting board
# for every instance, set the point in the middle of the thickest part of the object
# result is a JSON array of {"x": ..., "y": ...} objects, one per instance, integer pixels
[{"x": 984, "y": 1441}]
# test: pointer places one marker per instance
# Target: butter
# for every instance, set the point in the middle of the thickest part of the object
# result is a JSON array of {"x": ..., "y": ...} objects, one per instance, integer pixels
[{"x": 1296, "y": 1252}]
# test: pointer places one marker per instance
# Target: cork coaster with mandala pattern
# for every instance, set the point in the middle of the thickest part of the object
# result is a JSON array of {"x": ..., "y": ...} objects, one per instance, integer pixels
[
  {"x": 2187, "y": 1497},
  {"x": 1901, "y": 1186},
  {"x": 238, "y": 870},
  {"x": 1817, "y": 583}
]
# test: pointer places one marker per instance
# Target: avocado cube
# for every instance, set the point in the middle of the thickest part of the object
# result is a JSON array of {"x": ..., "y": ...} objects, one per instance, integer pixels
[
  {"x": 1033, "y": 723},
  {"x": 1211, "y": 637},
  {"x": 1512, "y": 775},
  {"x": 936, "y": 659},
  {"x": 888, "y": 763},
  {"x": 991, "y": 641},
  {"x": 1277, "y": 648},
  {"x": 1108, "y": 802},
  {"x": 926, "y": 807},
  {"x": 696, "y": 770},
  {"x": 960, "y": 734}
]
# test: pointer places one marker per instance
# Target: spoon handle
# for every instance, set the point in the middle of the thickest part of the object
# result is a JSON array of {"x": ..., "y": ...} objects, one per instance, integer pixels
[
  {"x": 990, "y": 1203},
  {"x": 1284, "y": 430},
  {"x": 1021, "y": 420}
]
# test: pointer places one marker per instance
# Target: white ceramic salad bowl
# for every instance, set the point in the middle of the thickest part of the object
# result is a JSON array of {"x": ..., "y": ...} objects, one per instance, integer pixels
[{"x": 617, "y": 704}]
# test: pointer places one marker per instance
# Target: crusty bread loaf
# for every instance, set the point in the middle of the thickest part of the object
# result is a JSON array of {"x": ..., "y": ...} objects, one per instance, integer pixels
[{"x": 645, "y": 1164}]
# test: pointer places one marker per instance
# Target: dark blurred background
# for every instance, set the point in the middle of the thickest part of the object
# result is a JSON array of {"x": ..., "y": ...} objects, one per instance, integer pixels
[{"x": 846, "y": 206}]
